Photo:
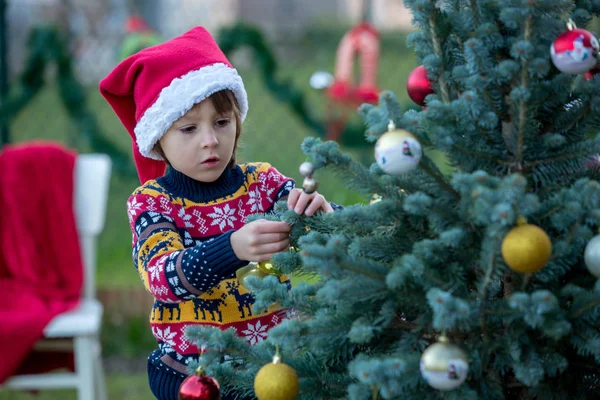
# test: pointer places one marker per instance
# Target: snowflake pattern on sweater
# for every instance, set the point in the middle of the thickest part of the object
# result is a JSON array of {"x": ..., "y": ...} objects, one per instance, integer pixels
[{"x": 182, "y": 252}]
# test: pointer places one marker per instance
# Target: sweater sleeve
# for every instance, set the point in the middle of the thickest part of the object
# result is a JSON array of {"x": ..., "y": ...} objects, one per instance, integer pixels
[
  {"x": 169, "y": 270},
  {"x": 275, "y": 185}
]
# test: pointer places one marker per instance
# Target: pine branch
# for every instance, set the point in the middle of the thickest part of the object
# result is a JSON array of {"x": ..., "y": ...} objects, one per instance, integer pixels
[
  {"x": 523, "y": 106},
  {"x": 343, "y": 264},
  {"x": 439, "y": 179},
  {"x": 437, "y": 47},
  {"x": 491, "y": 266},
  {"x": 477, "y": 154},
  {"x": 475, "y": 11},
  {"x": 594, "y": 303},
  {"x": 560, "y": 157}
]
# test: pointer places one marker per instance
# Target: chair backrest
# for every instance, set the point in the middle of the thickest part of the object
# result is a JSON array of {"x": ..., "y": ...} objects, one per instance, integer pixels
[{"x": 92, "y": 176}]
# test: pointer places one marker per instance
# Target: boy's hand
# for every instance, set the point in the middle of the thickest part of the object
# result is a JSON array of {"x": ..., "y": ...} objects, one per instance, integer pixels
[
  {"x": 302, "y": 202},
  {"x": 259, "y": 240}
]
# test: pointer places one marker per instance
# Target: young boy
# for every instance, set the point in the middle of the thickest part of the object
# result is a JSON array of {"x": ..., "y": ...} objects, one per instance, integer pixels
[{"x": 183, "y": 105}]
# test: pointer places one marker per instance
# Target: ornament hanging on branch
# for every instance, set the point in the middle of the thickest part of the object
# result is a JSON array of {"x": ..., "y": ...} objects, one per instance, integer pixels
[
  {"x": 418, "y": 85},
  {"x": 375, "y": 198},
  {"x": 444, "y": 366},
  {"x": 199, "y": 387},
  {"x": 575, "y": 51},
  {"x": 397, "y": 151},
  {"x": 276, "y": 381},
  {"x": 258, "y": 269},
  {"x": 592, "y": 256},
  {"x": 526, "y": 248},
  {"x": 310, "y": 184}
]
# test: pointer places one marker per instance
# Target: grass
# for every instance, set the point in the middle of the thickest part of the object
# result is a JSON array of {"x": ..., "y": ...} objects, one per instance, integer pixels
[
  {"x": 118, "y": 386},
  {"x": 272, "y": 134}
]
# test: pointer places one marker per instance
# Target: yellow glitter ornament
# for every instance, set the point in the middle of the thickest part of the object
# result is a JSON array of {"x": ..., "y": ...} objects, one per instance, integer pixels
[
  {"x": 259, "y": 269},
  {"x": 375, "y": 199},
  {"x": 276, "y": 381},
  {"x": 526, "y": 248},
  {"x": 397, "y": 151}
]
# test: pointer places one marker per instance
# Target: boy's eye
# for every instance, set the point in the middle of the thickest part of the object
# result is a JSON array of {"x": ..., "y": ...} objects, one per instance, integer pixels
[
  {"x": 221, "y": 123},
  {"x": 188, "y": 129}
]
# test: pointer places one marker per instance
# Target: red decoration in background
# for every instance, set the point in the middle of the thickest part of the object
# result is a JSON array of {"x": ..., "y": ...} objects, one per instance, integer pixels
[
  {"x": 364, "y": 40},
  {"x": 199, "y": 387},
  {"x": 592, "y": 72},
  {"x": 418, "y": 85},
  {"x": 136, "y": 23}
]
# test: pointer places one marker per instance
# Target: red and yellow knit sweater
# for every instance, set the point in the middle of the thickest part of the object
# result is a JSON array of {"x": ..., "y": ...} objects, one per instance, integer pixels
[{"x": 182, "y": 252}]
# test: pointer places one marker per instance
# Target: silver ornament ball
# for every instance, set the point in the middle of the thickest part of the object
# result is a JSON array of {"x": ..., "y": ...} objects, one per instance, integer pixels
[
  {"x": 444, "y": 366},
  {"x": 306, "y": 169},
  {"x": 592, "y": 256}
]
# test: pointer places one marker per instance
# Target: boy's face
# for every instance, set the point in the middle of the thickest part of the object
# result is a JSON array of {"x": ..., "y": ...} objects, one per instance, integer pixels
[{"x": 200, "y": 143}]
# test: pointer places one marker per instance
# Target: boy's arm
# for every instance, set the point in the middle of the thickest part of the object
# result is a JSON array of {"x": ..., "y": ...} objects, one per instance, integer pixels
[{"x": 170, "y": 271}]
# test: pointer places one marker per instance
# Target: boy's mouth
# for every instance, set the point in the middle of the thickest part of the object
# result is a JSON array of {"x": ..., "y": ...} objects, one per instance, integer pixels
[{"x": 211, "y": 160}]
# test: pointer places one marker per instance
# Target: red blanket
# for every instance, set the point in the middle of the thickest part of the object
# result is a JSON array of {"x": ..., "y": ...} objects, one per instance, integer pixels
[{"x": 41, "y": 271}]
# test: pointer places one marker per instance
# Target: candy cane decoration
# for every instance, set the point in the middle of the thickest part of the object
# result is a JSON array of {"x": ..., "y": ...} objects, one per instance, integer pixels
[{"x": 364, "y": 40}]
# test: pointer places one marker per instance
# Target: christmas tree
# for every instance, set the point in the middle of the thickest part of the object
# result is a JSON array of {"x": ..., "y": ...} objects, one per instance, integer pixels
[{"x": 478, "y": 283}]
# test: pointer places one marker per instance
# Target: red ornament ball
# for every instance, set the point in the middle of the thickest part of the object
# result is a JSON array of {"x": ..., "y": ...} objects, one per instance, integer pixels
[
  {"x": 419, "y": 85},
  {"x": 199, "y": 387},
  {"x": 575, "y": 51},
  {"x": 592, "y": 72}
]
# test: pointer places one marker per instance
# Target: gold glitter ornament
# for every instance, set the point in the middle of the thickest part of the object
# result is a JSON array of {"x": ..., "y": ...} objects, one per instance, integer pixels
[
  {"x": 276, "y": 381},
  {"x": 526, "y": 248},
  {"x": 258, "y": 269}
]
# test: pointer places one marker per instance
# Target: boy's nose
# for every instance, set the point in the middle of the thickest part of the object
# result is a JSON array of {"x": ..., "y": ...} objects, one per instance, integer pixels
[{"x": 209, "y": 139}]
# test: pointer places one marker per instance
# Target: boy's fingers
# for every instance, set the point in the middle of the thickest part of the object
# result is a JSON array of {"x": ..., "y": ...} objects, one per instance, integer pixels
[
  {"x": 275, "y": 227},
  {"x": 326, "y": 206},
  {"x": 293, "y": 198},
  {"x": 314, "y": 205},
  {"x": 302, "y": 202},
  {"x": 272, "y": 248},
  {"x": 273, "y": 237}
]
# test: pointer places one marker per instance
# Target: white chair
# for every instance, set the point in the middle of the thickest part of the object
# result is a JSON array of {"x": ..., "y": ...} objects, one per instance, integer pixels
[{"x": 79, "y": 329}]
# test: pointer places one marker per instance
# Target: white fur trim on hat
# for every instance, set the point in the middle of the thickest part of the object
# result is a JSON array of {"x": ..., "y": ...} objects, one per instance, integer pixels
[{"x": 180, "y": 96}]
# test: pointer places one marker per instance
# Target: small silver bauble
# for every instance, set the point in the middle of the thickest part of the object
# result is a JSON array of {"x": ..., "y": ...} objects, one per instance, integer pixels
[
  {"x": 592, "y": 256},
  {"x": 307, "y": 169}
]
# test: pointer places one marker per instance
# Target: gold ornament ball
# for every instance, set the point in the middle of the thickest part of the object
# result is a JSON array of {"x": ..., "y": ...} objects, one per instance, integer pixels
[
  {"x": 375, "y": 199},
  {"x": 526, "y": 248},
  {"x": 276, "y": 381},
  {"x": 444, "y": 366},
  {"x": 309, "y": 185},
  {"x": 260, "y": 269},
  {"x": 398, "y": 151}
]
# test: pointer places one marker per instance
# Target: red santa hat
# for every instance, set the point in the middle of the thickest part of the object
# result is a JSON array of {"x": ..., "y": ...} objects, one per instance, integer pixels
[{"x": 156, "y": 86}]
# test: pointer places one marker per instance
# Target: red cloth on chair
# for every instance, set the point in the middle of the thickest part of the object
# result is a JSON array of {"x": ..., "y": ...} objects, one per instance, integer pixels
[{"x": 41, "y": 273}]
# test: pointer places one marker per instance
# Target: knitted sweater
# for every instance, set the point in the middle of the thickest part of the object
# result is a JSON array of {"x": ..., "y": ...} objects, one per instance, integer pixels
[{"x": 182, "y": 252}]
